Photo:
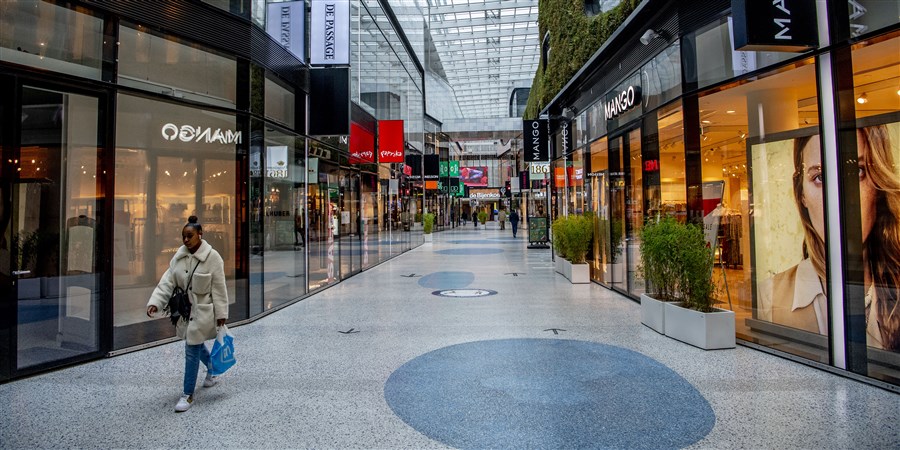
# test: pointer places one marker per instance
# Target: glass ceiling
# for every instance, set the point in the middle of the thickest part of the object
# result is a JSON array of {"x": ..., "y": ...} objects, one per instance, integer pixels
[{"x": 487, "y": 48}]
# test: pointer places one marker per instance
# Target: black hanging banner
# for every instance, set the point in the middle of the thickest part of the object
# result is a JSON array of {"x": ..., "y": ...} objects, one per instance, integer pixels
[
  {"x": 432, "y": 167},
  {"x": 776, "y": 26},
  {"x": 535, "y": 135},
  {"x": 565, "y": 136}
]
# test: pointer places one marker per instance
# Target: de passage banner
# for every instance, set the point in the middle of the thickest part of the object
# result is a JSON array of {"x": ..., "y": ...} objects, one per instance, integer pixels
[
  {"x": 285, "y": 22},
  {"x": 329, "y": 32}
]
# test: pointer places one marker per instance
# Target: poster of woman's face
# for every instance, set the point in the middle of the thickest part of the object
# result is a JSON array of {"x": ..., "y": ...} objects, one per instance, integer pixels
[{"x": 789, "y": 215}]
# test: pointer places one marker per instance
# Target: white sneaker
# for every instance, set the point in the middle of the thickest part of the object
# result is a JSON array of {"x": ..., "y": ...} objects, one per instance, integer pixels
[
  {"x": 184, "y": 403},
  {"x": 210, "y": 380}
]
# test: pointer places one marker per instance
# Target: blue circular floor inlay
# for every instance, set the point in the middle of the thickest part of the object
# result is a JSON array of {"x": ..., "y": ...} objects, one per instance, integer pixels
[
  {"x": 447, "y": 280},
  {"x": 547, "y": 393},
  {"x": 470, "y": 251}
]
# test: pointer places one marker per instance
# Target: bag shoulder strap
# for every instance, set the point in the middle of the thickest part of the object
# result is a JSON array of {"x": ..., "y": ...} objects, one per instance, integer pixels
[{"x": 191, "y": 279}]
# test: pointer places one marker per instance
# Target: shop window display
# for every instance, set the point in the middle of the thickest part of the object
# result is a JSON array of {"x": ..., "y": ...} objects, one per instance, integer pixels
[
  {"x": 876, "y": 69},
  {"x": 284, "y": 215},
  {"x": 605, "y": 231},
  {"x": 172, "y": 162},
  {"x": 762, "y": 190},
  {"x": 671, "y": 201}
]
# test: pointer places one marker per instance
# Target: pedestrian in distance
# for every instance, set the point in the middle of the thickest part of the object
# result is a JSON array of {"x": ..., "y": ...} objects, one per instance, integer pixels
[
  {"x": 199, "y": 270},
  {"x": 501, "y": 216},
  {"x": 514, "y": 221}
]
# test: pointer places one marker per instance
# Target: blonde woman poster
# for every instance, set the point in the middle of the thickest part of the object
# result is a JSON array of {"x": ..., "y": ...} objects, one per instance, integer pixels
[{"x": 795, "y": 297}]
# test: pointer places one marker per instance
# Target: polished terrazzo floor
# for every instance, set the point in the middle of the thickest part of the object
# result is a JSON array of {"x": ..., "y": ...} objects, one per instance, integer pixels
[{"x": 534, "y": 363}]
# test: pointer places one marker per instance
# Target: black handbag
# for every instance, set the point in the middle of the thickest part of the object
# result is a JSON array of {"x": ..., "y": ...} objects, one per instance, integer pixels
[{"x": 180, "y": 303}]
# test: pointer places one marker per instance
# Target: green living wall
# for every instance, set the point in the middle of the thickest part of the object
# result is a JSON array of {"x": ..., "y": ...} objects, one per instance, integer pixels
[{"x": 574, "y": 37}]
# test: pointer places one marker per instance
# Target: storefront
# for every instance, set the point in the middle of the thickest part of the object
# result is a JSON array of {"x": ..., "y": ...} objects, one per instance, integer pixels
[
  {"x": 115, "y": 128},
  {"x": 753, "y": 145}
]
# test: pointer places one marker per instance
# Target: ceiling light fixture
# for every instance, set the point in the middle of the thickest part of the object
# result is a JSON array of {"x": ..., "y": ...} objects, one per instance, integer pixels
[{"x": 862, "y": 99}]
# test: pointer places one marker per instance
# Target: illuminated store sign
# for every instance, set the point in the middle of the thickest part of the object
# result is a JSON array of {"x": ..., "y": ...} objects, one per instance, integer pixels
[
  {"x": 196, "y": 133},
  {"x": 329, "y": 32},
  {"x": 285, "y": 22},
  {"x": 623, "y": 102},
  {"x": 774, "y": 26}
]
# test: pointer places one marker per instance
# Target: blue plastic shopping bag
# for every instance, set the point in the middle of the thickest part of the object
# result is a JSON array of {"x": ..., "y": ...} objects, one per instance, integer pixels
[{"x": 221, "y": 358}]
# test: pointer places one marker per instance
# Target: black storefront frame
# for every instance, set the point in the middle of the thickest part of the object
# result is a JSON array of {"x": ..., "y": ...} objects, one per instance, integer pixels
[{"x": 13, "y": 82}]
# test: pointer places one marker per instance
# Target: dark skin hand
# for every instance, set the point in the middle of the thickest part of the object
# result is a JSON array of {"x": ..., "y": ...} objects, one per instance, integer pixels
[{"x": 192, "y": 240}]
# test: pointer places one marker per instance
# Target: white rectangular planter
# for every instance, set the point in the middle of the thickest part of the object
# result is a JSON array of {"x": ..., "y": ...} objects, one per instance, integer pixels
[
  {"x": 576, "y": 273},
  {"x": 653, "y": 313},
  {"x": 429, "y": 237},
  {"x": 708, "y": 331}
]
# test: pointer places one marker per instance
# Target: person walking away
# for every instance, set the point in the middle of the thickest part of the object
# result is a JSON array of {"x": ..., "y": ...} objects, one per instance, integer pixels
[
  {"x": 502, "y": 218},
  {"x": 514, "y": 221},
  {"x": 199, "y": 270},
  {"x": 299, "y": 241}
]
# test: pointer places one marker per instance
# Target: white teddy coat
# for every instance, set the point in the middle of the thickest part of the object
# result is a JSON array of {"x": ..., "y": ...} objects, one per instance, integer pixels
[{"x": 208, "y": 293}]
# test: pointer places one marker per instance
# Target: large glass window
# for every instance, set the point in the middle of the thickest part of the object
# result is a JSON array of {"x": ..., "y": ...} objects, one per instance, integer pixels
[
  {"x": 41, "y": 34},
  {"x": 164, "y": 65},
  {"x": 876, "y": 77},
  {"x": 56, "y": 215},
  {"x": 661, "y": 78},
  {"x": 710, "y": 55},
  {"x": 280, "y": 102},
  {"x": 284, "y": 206},
  {"x": 604, "y": 233},
  {"x": 669, "y": 197},
  {"x": 768, "y": 223},
  {"x": 171, "y": 162}
]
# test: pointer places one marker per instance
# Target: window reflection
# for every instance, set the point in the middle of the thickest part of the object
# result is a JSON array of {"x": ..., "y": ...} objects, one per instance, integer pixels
[
  {"x": 161, "y": 180},
  {"x": 41, "y": 34}
]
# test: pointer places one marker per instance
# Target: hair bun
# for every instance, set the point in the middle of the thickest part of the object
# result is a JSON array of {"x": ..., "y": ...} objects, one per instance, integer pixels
[{"x": 193, "y": 219}]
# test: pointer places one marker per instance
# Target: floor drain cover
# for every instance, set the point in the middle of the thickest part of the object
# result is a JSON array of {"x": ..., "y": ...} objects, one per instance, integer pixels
[{"x": 464, "y": 293}]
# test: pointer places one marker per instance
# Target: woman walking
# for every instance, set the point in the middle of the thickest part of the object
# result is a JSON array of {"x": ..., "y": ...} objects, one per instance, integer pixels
[{"x": 198, "y": 269}]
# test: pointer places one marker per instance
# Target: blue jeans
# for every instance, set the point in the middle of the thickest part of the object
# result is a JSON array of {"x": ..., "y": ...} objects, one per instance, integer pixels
[
  {"x": 193, "y": 356},
  {"x": 515, "y": 227}
]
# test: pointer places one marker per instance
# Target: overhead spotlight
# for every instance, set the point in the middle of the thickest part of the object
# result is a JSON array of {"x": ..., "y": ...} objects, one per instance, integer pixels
[
  {"x": 862, "y": 99},
  {"x": 743, "y": 135},
  {"x": 705, "y": 137},
  {"x": 648, "y": 36}
]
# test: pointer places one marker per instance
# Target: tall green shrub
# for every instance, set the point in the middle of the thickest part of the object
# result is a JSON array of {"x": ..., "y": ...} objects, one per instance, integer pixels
[
  {"x": 677, "y": 263},
  {"x": 697, "y": 261},
  {"x": 428, "y": 225},
  {"x": 659, "y": 257},
  {"x": 482, "y": 217},
  {"x": 572, "y": 237}
]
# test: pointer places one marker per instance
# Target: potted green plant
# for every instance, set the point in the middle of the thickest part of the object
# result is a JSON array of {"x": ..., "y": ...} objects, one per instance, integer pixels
[
  {"x": 659, "y": 266},
  {"x": 428, "y": 227},
  {"x": 571, "y": 240},
  {"x": 482, "y": 217},
  {"x": 695, "y": 320},
  {"x": 677, "y": 263}
]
